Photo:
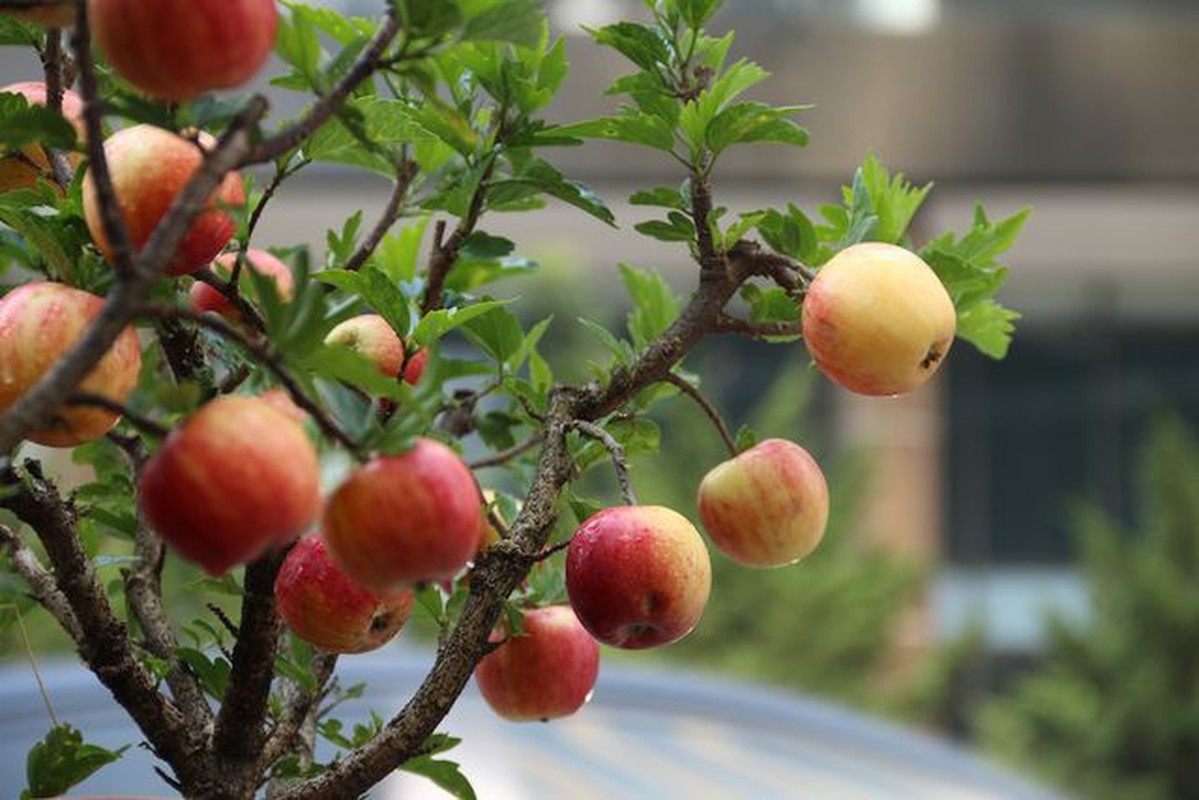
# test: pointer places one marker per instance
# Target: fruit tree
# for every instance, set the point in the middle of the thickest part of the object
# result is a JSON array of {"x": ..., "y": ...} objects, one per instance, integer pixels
[{"x": 319, "y": 433}]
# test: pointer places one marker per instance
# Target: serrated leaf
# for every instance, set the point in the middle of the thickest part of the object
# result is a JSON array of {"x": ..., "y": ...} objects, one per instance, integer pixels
[
  {"x": 497, "y": 333},
  {"x": 696, "y": 13},
  {"x": 436, "y": 324},
  {"x": 893, "y": 200},
  {"x": 515, "y": 21},
  {"x": 23, "y": 123},
  {"x": 676, "y": 230},
  {"x": 644, "y": 46},
  {"x": 635, "y": 127},
  {"x": 663, "y": 196},
  {"x": 655, "y": 306},
  {"x": 744, "y": 123},
  {"x": 62, "y": 759},
  {"x": 988, "y": 326},
  {"x": 348, "y": 366},
  {"x": 544, "y": 178}
]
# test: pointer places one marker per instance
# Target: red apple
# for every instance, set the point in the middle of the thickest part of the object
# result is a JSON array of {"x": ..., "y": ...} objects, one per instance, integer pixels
[
  {"x": 282, "y": 401},
  {"x": 235, "y": 478},
  {"x": 766, "y": 507},
  {"x": 546, "y": 672},
  {"x": 150, "y": 166},
  {"x": 877, "y": 320},
  {"x": 638, "y": 576},
  {"x": 324, "y": 607},
  {"x": 405, "y": 519},
  {"x": 177, "y": 49},
  {"x": 205, "y": 298},
  {"x": 39, "y": 323},
  {"x": 371, "y": 336},
  {"x": 21, "y": 171}
]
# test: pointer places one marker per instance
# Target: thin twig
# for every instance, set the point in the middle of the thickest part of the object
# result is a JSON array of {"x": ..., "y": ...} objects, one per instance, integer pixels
[
  {"x": 504, "y": 456},
  {"x": 406, "y": 171},
  {"x": 619, "y": 462},
  {"x": 694, "y": 393},
  {"x": 727, "y": 323},
  {"x": 41, "y": 582},
  {"x": 143, "y": 424}
]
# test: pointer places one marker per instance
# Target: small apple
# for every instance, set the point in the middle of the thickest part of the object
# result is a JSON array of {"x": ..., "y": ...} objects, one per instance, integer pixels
[
  {"x": 546, "y": 672},
  {"x": 233, "y": 479},
  {"x": 281, "y": 400},
  {"x": 370, "y": 336},
  {"x": 324, "y": 607},
  {"x": 766, "y": 507},
  {"x": 877, "y": 320},
  {"x": 204, "y": 298},
  {"x": 177, "y": 49},
  {"x": 39, "y": 323},
  {"x": 149, "y": 168},
  {"x": 405, "y": 519},
  {"x": 22, "y": 170},
  {"x": 638, "y": 576}
]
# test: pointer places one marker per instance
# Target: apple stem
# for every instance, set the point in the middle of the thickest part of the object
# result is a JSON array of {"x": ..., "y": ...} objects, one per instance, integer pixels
[
  {"x": 710, "y": 410},
  {"x": 619, "y": 461}
]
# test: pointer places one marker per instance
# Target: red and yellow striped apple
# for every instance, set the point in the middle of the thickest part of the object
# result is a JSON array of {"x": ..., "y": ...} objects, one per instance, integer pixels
[
  {"x": 149, "y": 167},
  {"x": 638, "y": 576},
  {"x": 548, "y": 671},
  {"x": 39, "y": 323},
  {"x": 405, "y": 519},
  {"x": 877, "y": 320},
  {"x": 324, "y": 607},
  {"x": 177, "y": 49},
  {"x": 369, "y": 335},
  {"x": 766, "y": 507},
  {"x": 233, "y": 479}
]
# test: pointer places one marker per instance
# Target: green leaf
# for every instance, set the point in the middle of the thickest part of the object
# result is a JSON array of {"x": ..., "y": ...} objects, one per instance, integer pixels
[
  {"x": 398, "y": 255},
  {"x": 516, "y": 21},
  {"x": 743, "y": 123},
  {"x": 43, "y": 231},
  {"x": 663, "y": 196},
  {"x": 696, "y": 13},
  {"x": 437, "y": 324},
  {"x": 678, "y": 228},
  {"x": 348, "y": 366},
  {"x": 497, "y": 333},
  {"x": 635, "y": 127},
  {"x": 969, "y": 269},
  {"x": 894, "y": 200},
  {"x": 544, "y": 178},
  {"x": 22, "y": 124},
  {"x": 791, "y": 234},
  {"x": 62, "y": 759},
  {"x": 644, "y": 46},
  {"x": 426, "y": 19},
  {"x": 446, "y": 774},
  {"x": 655, "y": 306},
  {"x": 772, "y": 304}
]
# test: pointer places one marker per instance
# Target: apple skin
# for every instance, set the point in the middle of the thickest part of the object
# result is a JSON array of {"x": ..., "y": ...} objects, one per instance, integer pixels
[
  {"x": 405, "y": 519},
  {"x": 39, "y": 323},
  {"x": 547, "y": 672},
  {"x": 15, "y": 172},
  {"x": 371, "y": 336},
  {"x": 766, "y": 507},
  {"x": 149, "y": 167},
  {"x": 877, "y": 320},
  {"x": 177, "y": 49},
  {"x": 638, "y": 576},
  {"x": 281, "y": 400},
  {"x": 204, "y": 298},
  {"x": 324, "y": 607},
  {"x": 233, "y": 479}
]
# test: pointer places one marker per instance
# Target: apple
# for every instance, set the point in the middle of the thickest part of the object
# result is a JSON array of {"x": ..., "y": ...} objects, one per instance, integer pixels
[
  {"x": 204, "y": 298},
  {"x": 877, "y": 320},
  {"x": 233, "y": 479},
  {"x": 21, "y": 171},
  {"x": 149, "y": 167},
  {"x": 177, "y": 49},
  {"x": 281, "y": 400},
  {"x": 324, "y": 607},
  {"x": 39, "y": 323},
  {"x": 638, "y": 576},
  {"x": 767, "y": 506},
  {"x": 372, "y": 337},
  {"x": 405, "y": 519},
  {"x": 546, "y": 672}
]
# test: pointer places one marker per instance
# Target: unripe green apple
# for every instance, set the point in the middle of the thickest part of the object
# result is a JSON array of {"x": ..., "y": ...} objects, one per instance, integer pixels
[
  {"x": 205, "y": 298},
  {"x": 638, "y": 576},
  {"x": 149, "y": 168},
  {"x": 324, "y": 607},
  {"x": 369, "y": 335},
  {"x": 548, "y": 671},
  {"x": 877, "y": 320},
  {"x": 21, "y": 171},
  {"x": 39, "y": 323},
  {"x": 766, "y": 507},
  {"x": 233, "y": 479},
  {"x": 405, "y": 519},
  {"x": 177, "y": 49}
]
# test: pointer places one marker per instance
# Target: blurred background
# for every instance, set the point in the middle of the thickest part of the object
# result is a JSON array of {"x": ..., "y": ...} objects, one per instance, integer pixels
[{"x": 1014, "y": 553}]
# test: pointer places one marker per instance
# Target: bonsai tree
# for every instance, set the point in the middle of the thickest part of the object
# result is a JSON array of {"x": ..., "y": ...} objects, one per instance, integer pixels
[{"x": 207, "y": 425}]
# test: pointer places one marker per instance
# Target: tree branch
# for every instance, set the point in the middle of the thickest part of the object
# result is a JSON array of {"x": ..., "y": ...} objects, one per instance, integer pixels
[
  {"x": 710, "y": 410},
  {"x": 406, "y": 171},
  {"x": 41, "y": 583},
  {"x": 619, "y": 462}
]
